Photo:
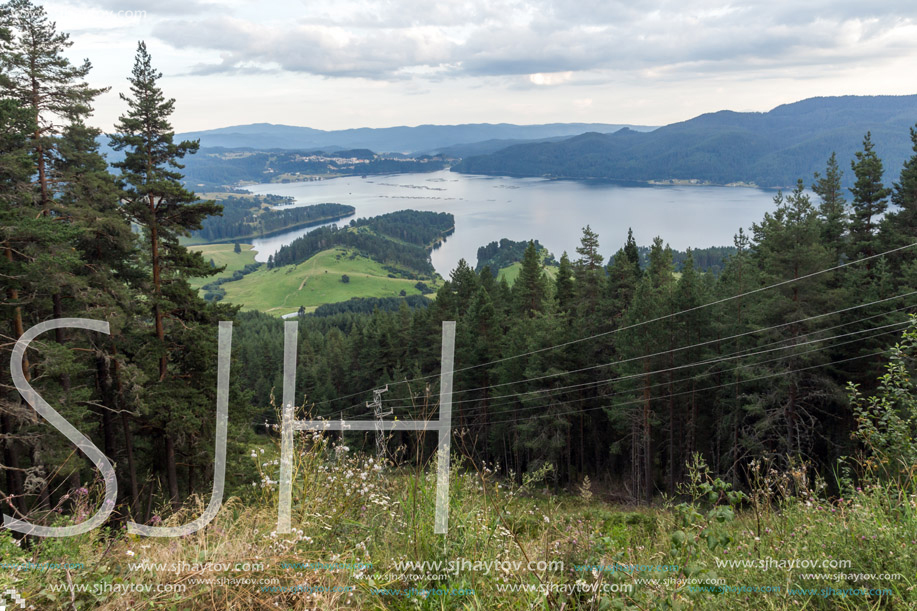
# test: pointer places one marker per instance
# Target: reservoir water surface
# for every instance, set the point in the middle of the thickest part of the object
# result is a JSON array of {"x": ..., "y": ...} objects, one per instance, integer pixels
[{"x": 489, "y": 208}]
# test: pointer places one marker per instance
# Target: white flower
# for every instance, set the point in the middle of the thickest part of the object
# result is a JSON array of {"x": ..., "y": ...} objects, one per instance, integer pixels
[{"x": 130, "y": 553}]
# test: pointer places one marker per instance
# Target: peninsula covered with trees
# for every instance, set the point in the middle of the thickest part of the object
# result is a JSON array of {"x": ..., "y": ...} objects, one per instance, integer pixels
[
  {"x": 401, "y": 238},
  {"x": 260, "y": 216}
]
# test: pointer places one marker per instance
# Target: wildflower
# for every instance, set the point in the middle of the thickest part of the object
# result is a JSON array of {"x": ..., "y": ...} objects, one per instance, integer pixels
[{"x": 130, "y": 553}]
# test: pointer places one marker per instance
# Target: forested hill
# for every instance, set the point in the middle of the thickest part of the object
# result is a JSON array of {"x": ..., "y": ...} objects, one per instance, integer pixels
[
  {"x": 768, "y": 149},
  {"x": 219, "y": 167},
  {"x": 711, "y": 259},
  {"x": 404, "y": 238},
  {"x": 504, "y": 253},
  {"x": 247, "y": 217}
]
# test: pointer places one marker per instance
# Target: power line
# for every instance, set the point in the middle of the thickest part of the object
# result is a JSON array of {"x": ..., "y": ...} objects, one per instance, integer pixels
[
  {"x": 522, "y": 395},
  {"x": 697, "y": 345},
  {"x": 718, "y": 340},
  {"x": 666, "y": 316},
  {"x": 894, "y": 326},
  {"x": 696, "y": 390},
  {"x": 692, "y": 391},
  {"x": 639, "y": 324}
]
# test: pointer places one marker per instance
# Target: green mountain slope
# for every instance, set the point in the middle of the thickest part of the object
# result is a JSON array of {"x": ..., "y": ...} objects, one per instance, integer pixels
[{"x": 768, "y": 149}]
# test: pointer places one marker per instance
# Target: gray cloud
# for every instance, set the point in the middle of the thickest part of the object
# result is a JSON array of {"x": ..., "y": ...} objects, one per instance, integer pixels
[
  {"x": 158, "y": 7},
  {"x": 389, "y": 39}
]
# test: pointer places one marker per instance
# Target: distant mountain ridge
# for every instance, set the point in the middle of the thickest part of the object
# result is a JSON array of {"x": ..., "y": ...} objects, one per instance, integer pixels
[
  {"x": 402, "y": 139},
  {"x": 768, "y": 149}
]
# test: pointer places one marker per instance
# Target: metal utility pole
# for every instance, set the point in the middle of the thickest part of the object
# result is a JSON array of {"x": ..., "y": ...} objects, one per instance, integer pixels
[{"x": 379, "y": 413}]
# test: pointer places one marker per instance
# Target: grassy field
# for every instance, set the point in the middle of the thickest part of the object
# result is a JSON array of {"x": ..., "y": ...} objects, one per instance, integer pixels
[
  {"x": 222, "y": 254},
  {"x": 355, "y": 524},
  {"x": 315, "y": 282},
  {"x": 512, "y": 272}
]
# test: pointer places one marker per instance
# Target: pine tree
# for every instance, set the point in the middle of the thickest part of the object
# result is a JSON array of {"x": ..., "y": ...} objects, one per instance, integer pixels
[
  {"x": 564, "y": 291},
  {"x": 832, "y": 209},
  {"x": 40, "y": 76},
  {"x": 482, "y": 330},
  {"x": 15, "y": 215},
  {"x": 155, "y": 198},
  {"x": 590, "y": 276},
  {"x": 901, "y": 225},
  {"x": 869, "y": 200},
  {"x": 630, "y": 249},
  {"x": 488, "y": 280},
  {"x": 56, "y": 272},
  {"x": 104, "y": 285},
  {"x": 690, "y": 328},
  {"x": 464, "y": 283},
  {"x": 529, "y": 288},
  {"x": 623, "y": 272},
  {"x": 733, "y": 319},
  {"x": 788, "y": 247},
  {"x": 652, "y": 299},
  {"x": 156, "y": 201}
]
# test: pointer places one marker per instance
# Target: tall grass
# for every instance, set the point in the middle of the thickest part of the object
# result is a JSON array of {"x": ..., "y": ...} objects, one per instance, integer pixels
[{"x": 353, "y": 510}]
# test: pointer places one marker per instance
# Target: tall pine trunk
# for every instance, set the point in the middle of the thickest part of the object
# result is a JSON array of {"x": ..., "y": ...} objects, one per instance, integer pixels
[
  {"x": 126, "y": 429},
  {"x": 647, "y": 437},
  {"x": 14, "y": 478},
  {"x": 171, "y": 475}
]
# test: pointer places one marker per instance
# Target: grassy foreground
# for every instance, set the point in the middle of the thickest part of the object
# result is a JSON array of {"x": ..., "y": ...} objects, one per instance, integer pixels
[{"x": 510, "y": 545}]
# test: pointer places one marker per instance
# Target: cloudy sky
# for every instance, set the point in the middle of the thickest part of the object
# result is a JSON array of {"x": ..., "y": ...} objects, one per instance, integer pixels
[{"x": 376, "y": 63}]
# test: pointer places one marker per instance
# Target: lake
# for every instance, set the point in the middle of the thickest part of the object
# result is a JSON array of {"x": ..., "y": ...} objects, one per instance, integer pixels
[{"x": 489, "y": 208}]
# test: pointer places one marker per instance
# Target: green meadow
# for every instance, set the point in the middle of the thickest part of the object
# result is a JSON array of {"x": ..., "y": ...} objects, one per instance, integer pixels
[
  {"x": 511, "y": 272},
  {"x": 223, "y": 254},
  {"x": 318, "y": 281}
]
